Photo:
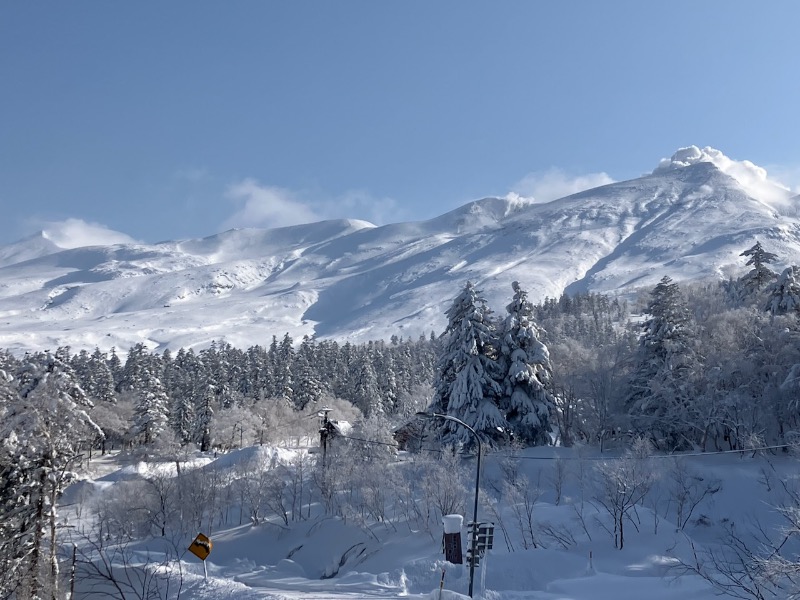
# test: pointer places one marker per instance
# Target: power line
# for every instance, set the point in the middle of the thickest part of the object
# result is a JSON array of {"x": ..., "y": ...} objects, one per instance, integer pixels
[{"x": 518, "y": 457}]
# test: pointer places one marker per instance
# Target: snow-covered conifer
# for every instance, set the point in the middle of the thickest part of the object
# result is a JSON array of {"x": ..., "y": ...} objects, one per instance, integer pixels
[
  {"x": 527, "y": 398},
  {"x": 466, "y": 383},
  {"x": 365, "y": 394},
  {"x": 41, "y": 433},
  {"x": 783, "y": 295},
  {"x": 152, "y": 407},
  {"x": 204, "y": 415},
  {"x": 284, "y": 358},
  {"x": 660, "y": 400},
  {"x": 760, "y": 275},
  {"x": 308, "y": 388}
]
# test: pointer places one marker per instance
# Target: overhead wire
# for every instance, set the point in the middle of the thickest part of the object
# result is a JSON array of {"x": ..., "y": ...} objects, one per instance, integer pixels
[{"x": 655, "y": 456}]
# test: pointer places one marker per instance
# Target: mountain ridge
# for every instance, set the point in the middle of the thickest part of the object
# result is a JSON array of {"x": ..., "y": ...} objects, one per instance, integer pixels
[{"x": 351, "y": 280}]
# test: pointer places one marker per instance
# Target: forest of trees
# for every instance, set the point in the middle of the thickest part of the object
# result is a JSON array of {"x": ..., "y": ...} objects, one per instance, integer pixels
[{"x": 706, "y": 366}]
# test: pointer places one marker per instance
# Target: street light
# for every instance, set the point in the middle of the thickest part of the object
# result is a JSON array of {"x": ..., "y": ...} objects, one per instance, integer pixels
[{"x": 474, "y": 541}]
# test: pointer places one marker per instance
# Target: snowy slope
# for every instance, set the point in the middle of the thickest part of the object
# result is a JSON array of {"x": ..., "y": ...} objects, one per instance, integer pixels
[
  {"x": 329, "y": 558},
  {"x": 691, "y": 218}
]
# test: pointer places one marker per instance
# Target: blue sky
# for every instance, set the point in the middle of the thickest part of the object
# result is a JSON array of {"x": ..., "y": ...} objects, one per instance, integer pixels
[{"x": 178, "y": 119}]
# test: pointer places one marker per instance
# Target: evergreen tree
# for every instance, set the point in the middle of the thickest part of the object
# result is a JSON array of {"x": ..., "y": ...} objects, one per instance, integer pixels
[
  {"x": 388, "y": 386},
  {"x": 137, "y": 362},
  {"x": 365, "y": 394},
  {"x": 308, "y": 386},
  {"x": 783, "y": 295},
  {"x": 284, "y": 360},
  {"x": 466, "y": 384},
  {"x": 204, "y": 415},
  {"x": 116, "y": 367},
  {"x": 97, "y": 379},
  {"x": 182, "y": 393},
  {"x": 152, "y": 407},
  {"x": 761, "y": 274},
  {"x": 258, "y": 375},
  {"x": 660, "y": 397},
  {"x": 41, "y": 432},
  {"x": 528, "y": 401}
]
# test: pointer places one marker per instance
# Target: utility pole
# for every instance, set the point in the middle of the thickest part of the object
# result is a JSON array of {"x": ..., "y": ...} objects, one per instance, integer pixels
[
  {"x": 472, "y": 554},
  {"x": 323, "y": 433}
]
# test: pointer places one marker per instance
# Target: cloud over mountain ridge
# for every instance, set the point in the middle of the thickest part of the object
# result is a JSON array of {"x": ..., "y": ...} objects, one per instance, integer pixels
[{"x": 346, "y": 279}]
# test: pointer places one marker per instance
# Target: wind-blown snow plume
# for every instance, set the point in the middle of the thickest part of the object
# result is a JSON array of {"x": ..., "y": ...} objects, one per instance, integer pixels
[
  {"x": 266, "y": 206},
  {"x": 77, "y": 233},
  {"x": 750, "y": 176},
  {"x": 543, "y": 186}
]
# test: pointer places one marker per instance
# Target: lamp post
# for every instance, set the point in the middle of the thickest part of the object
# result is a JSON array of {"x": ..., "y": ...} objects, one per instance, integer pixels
[{"x": 474, "y": 541}]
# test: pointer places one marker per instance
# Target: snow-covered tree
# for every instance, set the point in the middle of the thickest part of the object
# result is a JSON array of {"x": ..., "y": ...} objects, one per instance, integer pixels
[
  {"x": 204, "y": 412},
  {"x": 783, "y": 295},
  {"x": 660, "y": 397},
  {"x": 760, "y": 275},
  {"x": 152, "y": 407},
  {"x": 137, "y": 362},
  {"x": 308, "y": 387},
  {"x": 42, "y": 430},
  {"x": 283, "y": 361},
  {"x": 366, "y": 394},
  {"x": 527, "y": 398},
  {"x": 624, "y": 483},
  {"x": 467, "y": 373}
]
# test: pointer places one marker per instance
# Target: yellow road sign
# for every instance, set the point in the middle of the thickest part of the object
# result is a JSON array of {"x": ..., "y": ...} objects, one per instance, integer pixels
[{"x": 201, "y": 546}]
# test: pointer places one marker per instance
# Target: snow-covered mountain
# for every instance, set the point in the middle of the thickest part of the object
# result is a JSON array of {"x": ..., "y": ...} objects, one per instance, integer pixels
[{"x": 690, "y": 218}]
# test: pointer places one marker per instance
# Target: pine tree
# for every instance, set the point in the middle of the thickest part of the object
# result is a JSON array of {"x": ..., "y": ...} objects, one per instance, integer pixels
[
  {"x": 466, "y": 384},
  {"x": 528, "y": 401},
  {"x": 308, "y": 387},
  {"x": 204, "y": 415},
  {"x": 151, "y": 413},
  {"x": 365, "y": 393},
  {"x": 761, "y": 274},
  {"x": 258, "y": 375},
  {"x": 116, "y": 367},
  {"x": 97, "y": 379},
  {"x": 783, "y": 295},
  {"x": 660, "y": 397},
  {"x": 284, "y": 359},
  {"x": 41, "y": 432}
]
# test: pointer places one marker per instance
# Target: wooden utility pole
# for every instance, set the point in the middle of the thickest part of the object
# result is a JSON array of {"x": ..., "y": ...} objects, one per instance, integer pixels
[{"x": 323, "y": 434}]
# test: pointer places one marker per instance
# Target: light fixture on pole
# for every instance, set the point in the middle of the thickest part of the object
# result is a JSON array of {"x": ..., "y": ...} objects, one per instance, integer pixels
[{"x": 474, "y": 541}]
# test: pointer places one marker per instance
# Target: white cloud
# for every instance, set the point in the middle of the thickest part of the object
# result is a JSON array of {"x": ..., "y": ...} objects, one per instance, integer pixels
[
  {"x": 789, "y": 176},
  {"x": 77, "y": 233},
  {"x": 753, "y": 179},
  {"x": 267, "y": 206},
  {"x": 544, "y": 186},
  {"x": 358, "y": 204}
]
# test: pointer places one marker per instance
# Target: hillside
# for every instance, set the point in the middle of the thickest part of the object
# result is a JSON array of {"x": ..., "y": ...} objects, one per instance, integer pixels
[{"x": 689, "y": 219}]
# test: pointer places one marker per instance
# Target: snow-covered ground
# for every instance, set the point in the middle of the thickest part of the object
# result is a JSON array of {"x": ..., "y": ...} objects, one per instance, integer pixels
[
  {"x": 325, "y": 557},
  {"x": 346, "y": 279}
]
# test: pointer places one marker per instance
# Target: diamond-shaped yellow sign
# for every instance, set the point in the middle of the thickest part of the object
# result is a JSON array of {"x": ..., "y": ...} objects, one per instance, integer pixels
[{"x": 201, "y": 546}]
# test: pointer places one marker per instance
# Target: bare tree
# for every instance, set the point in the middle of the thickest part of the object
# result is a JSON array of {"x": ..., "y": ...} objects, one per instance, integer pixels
[
  {"x": 521, "y": 497},
  {"x": 119, "y": 570},
  {"x": 687, "y": 489},
  {"x": 624, "y": 483}
]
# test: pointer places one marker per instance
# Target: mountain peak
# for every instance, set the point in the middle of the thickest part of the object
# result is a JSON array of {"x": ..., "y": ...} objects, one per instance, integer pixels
[
  {"x": 752, "y": 178},
  {"x": 692, "y": 155}
]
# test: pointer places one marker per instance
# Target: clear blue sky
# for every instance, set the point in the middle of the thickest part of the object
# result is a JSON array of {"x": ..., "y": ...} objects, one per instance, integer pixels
[{"x": 179, "y": 119}]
